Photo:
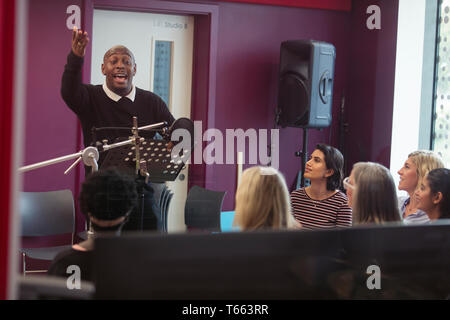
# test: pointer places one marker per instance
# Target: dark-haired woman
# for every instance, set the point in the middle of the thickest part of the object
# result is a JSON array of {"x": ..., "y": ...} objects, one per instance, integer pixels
[
  {"x": 433, "y": 195},
  {"x": 321, "y": 205}
]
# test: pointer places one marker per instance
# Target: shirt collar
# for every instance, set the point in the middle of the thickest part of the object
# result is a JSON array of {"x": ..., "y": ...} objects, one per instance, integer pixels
[
  {"x": 114, "y": 96},
  {"x": 419, "y": 213}
]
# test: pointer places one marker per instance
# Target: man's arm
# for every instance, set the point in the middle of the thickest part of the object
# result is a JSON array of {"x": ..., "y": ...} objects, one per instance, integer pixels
[
  {"x": 73, "y": 91},
  {"x": 163, "y": 112},
  {"x": 80, "y": 41}
]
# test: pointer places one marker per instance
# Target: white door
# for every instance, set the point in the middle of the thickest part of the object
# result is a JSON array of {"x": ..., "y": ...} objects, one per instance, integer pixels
[{"x": 163, "y": 48}]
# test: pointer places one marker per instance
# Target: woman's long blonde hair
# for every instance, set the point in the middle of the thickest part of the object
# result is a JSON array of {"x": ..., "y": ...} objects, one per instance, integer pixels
[
  {"x": 262, "y": 200},
  {"x": 425, "y": 161}
]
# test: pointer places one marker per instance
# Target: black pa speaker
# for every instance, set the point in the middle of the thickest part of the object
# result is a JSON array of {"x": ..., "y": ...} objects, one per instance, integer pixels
[{"x": 305, "y": 87}]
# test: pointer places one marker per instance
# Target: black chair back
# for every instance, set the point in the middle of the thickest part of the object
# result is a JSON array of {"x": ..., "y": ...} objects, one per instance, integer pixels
[
  {"x": 47, "y": 213},
  {"x": 203, "y": 209}
]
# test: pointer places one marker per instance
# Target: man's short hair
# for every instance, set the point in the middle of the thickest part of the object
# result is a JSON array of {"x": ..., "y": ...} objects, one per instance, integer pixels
[
  {"x": 108, "y": 194},
  {"x": 118, "y": 49}
]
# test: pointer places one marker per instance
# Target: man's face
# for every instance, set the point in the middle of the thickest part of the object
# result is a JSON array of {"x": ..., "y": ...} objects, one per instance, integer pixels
[{"x": 119, "y": 69}]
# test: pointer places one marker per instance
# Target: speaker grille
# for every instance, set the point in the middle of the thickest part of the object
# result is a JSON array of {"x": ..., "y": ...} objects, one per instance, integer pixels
[
  {"x": 293, "y": 100},
  {"x": 305, "y": 84}
]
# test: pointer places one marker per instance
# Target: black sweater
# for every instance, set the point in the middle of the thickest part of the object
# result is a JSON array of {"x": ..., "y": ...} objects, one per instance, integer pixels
[
  {"x": 95, "y": 109},
  {"x": 64, "y": 259}
]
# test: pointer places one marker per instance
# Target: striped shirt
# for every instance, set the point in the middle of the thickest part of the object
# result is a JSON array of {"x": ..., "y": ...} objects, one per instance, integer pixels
[
  {"x": 418, "y": 217},
  {"x": 321, "y": 214}
]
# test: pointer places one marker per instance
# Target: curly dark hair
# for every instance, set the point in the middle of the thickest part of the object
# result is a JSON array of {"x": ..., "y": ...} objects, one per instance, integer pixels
[
  {"x": 108, "y": 194},
  {"x": 334, "y": 160}
]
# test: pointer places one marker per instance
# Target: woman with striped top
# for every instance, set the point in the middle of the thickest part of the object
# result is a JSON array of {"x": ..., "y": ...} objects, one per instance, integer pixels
[{"x": 321, "y": 205}]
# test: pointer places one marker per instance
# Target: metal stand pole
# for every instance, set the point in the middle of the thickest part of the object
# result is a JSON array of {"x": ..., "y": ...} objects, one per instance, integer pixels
[
  {"x": 90, "y": 156},
  {"x": 304, "y": 155}
]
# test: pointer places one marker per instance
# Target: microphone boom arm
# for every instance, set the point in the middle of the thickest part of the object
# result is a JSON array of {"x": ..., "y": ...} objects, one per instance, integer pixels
[{"x": 90, "y": 155}]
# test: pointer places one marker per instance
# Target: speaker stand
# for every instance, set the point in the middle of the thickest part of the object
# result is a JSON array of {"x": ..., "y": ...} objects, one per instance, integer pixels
[{"x": 304, "y": 155}]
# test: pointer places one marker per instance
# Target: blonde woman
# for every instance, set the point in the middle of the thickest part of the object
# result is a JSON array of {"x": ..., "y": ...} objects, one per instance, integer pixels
[
  {"x": 371, "y": 194},
  {"x": 262, "y": 200},
  {"x": 414, "y": 170}
]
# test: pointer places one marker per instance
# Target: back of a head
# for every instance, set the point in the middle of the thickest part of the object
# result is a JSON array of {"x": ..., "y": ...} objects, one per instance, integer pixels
[
  {"x": 439, "y": 181},
  {"x": 374, "y": 199},
  {"x": 262, "y": 200},
  {"x": 425, "y": 161},
  {"x": 108, "y": 194}
]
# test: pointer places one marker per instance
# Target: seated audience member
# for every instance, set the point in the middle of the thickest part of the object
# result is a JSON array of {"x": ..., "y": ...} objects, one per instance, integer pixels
[
  {"x": 414, "y": 170},
  {"x": 371, "y": 194},
  {"x": 262, "y": 201},
  {"x": 107, "y": 197},
  {"x": 321, "y": 205},
  {"x": 433, "y": 195}
]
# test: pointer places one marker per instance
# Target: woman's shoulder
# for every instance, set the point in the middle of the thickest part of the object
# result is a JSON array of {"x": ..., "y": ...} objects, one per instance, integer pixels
[
  {"x": 149, "y": 95},
  {"x": 71, "y": 254},
  {"x": 402, "y": 200},
  {"x": 298, "y": 192},
  {"x": 339, "y": 196}
]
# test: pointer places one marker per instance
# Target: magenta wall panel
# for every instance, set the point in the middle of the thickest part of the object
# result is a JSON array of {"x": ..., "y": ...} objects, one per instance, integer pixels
[
  {"x": 370, "y": 93},
  {"x": 51, "y": 128},
  {"x": 247, "y": 75}
]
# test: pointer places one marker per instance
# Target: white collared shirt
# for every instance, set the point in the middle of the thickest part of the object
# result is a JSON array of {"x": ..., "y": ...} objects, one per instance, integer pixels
[{"x": 114, "y": 96}]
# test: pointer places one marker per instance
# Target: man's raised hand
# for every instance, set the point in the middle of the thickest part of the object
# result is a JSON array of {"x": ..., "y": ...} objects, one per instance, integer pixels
[{"x": 79, "y": 42}]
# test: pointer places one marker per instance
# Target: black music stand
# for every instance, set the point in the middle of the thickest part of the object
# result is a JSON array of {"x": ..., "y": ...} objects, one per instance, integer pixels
[{"x": 162, "y": 165}]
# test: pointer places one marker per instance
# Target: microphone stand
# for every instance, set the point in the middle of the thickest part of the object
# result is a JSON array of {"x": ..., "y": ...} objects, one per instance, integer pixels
[
  {"x": 90, "y": 156},
  {"x": 304, "y": 155},
  {"x": 141, "y": 166},
  {"x": 140, "y": 188}
]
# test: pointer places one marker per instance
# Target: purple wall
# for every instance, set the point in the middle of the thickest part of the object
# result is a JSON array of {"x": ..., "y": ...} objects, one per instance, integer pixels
[
  {"x": 247, "y": 75},
  {"x": 51, "y": 128},
  {"x": 370, "y": 90},
  {"x": 248, "y": 43}
]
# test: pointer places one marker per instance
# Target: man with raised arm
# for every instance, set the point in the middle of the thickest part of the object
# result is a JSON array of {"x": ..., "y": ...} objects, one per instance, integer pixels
[{"x": 112, "y": 104}]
